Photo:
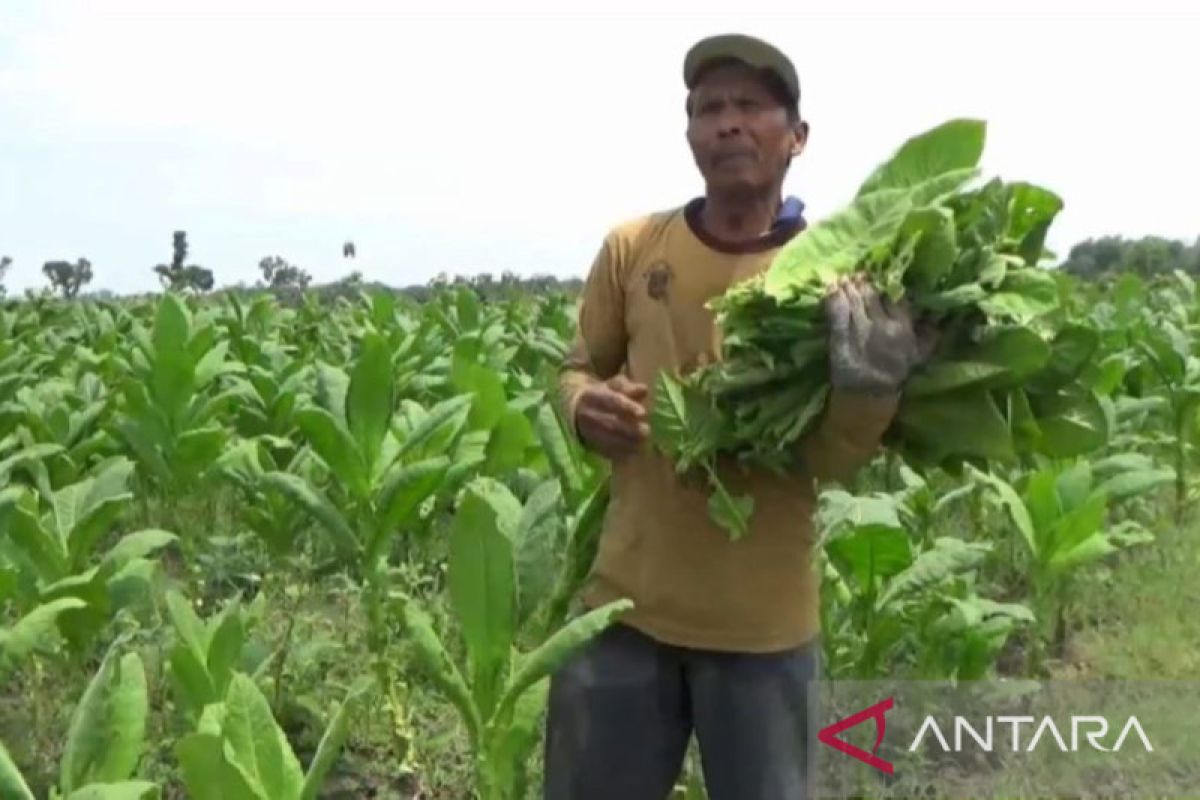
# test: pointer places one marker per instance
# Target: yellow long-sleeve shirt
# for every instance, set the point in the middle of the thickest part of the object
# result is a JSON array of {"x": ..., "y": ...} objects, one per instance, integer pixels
[{"x": 643, "y": 310}]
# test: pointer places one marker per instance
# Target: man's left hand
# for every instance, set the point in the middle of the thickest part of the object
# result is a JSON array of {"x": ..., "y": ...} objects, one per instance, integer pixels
[{"x": 873, "y": 345}]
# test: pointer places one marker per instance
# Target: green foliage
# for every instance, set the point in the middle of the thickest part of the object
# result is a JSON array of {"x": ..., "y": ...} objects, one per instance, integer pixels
[
  {"x": 394, "y": 484},
  {"x": 105, "y": 739},
  {"x": 502, "y": 693},
  {"x": 173, "y": 409},
  {"x": 966, "y": 259},
  {"x": 903, "y": 599},
  {"x": 54, "y": 539},
  {"x": 239, "y": 751}
]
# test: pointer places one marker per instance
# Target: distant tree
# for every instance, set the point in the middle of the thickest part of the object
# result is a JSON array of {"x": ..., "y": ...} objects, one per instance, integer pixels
[
  {"x": 5, "y": 263},
  {"x": 1150, "y": 256},
  {"x": 349, "y": 251},
  {"x": 279, "y": 274},
  {"x": 178, "y": 277},
  {"x": 68, "y": 278}
]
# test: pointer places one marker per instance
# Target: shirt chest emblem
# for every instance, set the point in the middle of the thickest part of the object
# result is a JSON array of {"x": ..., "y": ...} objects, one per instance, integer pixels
[{"x": 658, "y": 281}]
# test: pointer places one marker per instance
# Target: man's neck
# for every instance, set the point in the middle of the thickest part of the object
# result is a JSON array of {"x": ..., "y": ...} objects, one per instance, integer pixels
[{"x": 740, "y": 218}]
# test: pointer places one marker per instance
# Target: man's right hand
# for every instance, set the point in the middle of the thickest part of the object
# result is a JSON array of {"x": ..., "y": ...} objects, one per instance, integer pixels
[{"x": 610, "y": 417}]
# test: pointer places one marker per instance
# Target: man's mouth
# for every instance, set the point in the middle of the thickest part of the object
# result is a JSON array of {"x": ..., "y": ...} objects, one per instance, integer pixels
[{"x": 734, "y": 157}]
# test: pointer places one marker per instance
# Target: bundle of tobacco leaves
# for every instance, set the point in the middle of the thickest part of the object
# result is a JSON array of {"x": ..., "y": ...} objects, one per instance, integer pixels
[{"x": 1004, "y": 381}]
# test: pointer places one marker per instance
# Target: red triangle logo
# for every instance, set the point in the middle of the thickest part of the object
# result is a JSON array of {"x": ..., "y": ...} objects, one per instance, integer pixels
[{"x": 828, "y": 735}]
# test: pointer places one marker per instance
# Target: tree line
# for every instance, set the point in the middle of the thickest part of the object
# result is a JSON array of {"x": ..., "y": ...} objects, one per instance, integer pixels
[
  {"x": 1095, "y": 259},
  {"x": 1147, "y": 257}
]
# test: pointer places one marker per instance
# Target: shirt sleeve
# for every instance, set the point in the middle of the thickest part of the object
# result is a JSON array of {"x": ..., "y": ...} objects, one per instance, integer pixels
[
  {"x": 848, "y": 435},
  {"x": 599, "y": 348}
]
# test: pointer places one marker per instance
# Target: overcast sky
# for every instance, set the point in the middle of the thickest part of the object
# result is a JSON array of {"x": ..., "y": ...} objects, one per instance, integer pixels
[{"x": 513, "y": 139}]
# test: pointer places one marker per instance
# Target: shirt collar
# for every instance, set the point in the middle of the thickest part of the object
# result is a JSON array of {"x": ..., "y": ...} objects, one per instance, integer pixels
[{"x": 789, "y": 221}]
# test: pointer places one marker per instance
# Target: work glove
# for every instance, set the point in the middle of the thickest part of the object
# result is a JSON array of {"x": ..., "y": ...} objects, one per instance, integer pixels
[{"x": 873, "y": 343}]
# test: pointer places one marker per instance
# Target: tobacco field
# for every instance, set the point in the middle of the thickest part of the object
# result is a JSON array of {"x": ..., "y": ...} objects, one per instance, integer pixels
[{"x": 328, "y": 548}]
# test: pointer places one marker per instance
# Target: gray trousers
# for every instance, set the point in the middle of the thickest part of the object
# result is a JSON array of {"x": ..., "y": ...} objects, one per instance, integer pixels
[{"x": 622, "y": 710}]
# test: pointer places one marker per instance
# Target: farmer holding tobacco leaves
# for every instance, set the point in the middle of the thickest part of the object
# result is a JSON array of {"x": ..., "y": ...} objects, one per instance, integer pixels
[{"x": 724, "y": 636}]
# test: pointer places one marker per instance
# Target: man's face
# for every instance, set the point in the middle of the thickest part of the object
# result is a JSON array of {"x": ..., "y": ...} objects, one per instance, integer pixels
[{"x": 740, "y": 135}]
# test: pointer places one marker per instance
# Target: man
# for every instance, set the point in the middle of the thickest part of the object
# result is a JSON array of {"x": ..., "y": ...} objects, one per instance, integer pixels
[{"x": 724, "y": 637}]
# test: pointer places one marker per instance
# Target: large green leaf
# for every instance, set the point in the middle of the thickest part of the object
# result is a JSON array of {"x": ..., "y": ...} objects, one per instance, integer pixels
[
  {"x": 125, "y": 790},
  {"x": 404, "y": 490},
  {"x": 107, "y": 731},
  {"x": 731, "y": 512},
  {"x": 1073, "y": 529},
  {"x": 26, "y": 456},
  {"x": 225, "y": 646},
  {"x": 510, "y": 440},
  {"x": 1031, "y": 211},
  {"x": 682, "y": 423},
  {"x": 134, "y": 546},
  {"x": 1020, "y": 350},
  {"x": 333, "y": 385},
  {"x": 1131, "y": 484},
  {"x": 470, "y": 451},
  {"x": 85, "y": 510},
  {"x": 870, "y": 554},
  {"x": 197, "y": 450},
  {"x": 1044, "y": 505},
  {"x": 331, "y": 743},
  {"x": 557, "y": 447},
  {"x": 966, "y": 423},
  {"x": 44, "y": 551},
  {"x": 514, "y": 739},
  {"x": 1083, "y": 552},
  {"x": 256, "y": 746},
  {"x": 1025, "y": 295},
  {"x": 31, "y": 630},
  {"x": 172, "y": 376},
  {"x": 318, "y": 506},
  {"x": 206, "y": 773},
  {"x": 1011, "y": 502},
  {"x": 837, "y": 244},
  {"x": 437, "y": 429},
  {"x": 953, "y": 145},
  {"x": 948, "y": 376},
  {"x": 841, "y": 512},
  {"x": 936, "y": 249},
  {"x": 537, "y": 534},
  {"x": 482, "y": 581},
  {"x": 1073, "y": 485},
  {"x": 192, "y": 686},
  {"x": 1071, "y": 352},
  {"x": 583, "y": 540},
  {"x": 188, "y": 626},
  {"x": 337, "y": 448},
  {"x": 213, "y": 364},
  {"x": 1072, "y": 423},
  {"x": 371, "y": 398},
  {"x": 948, "y": 558},
  {"x": 469, "y": 376},
  {"x": 80, "y": 625},
  {"x": 440, "y": 668},
  {"x": 12, "y": 784},
  {"x": 557, "y": 649}
]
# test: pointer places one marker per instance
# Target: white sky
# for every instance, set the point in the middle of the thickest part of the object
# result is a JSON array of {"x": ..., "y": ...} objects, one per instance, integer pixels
[{"x": 488, "y": 139}]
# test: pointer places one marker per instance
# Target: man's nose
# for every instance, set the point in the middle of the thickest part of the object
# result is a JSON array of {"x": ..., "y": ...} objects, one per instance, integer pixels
[{"x": 730, "y": 124}]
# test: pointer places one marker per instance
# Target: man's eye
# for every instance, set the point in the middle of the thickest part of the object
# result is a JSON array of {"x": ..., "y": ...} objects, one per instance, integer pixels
[{"x": 749, "y": 104}]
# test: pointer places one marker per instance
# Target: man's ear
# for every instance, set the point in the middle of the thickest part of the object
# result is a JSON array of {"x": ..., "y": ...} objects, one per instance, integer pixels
[{"x": 801, "y": 131}]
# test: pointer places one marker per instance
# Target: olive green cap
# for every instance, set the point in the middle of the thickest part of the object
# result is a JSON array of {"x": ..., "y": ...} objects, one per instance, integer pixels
[{"x": 748, "y": 49}]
